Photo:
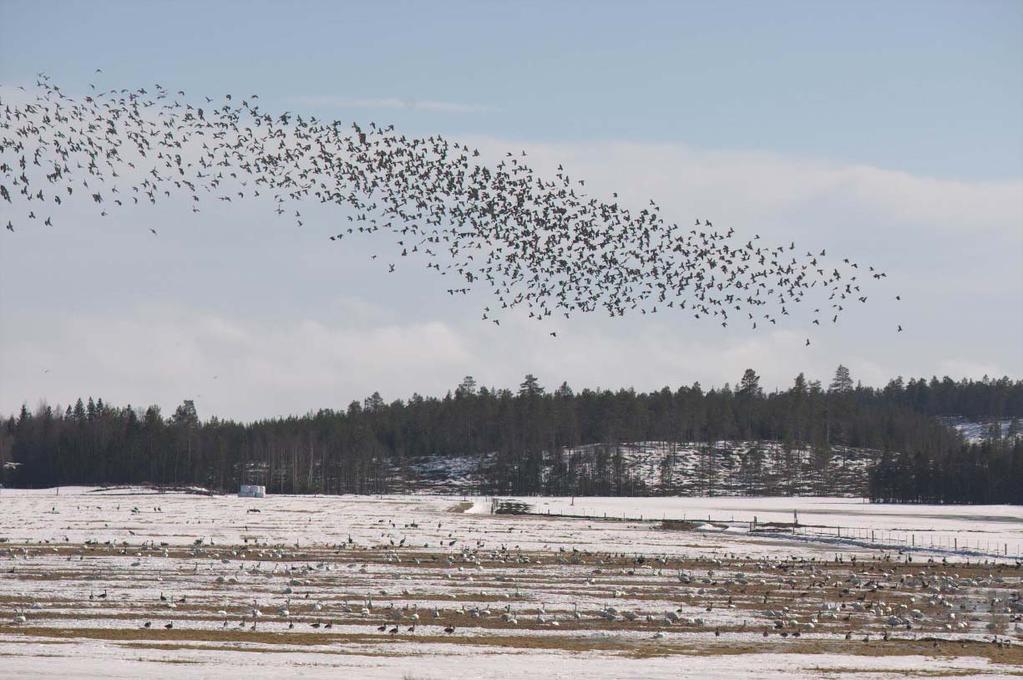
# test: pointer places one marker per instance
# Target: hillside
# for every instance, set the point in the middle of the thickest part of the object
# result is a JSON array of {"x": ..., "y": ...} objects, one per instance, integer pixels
[
  {"x": 659, "y": 468},
  {"x": 977, "y": 430},
  {"x": 894, "y": 443}
]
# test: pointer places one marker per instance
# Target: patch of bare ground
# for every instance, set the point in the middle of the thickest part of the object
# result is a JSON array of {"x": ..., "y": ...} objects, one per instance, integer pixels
[
  {"x": 914, "y": 673},
  {"x": 384, "y": 554},
  {"x": 229, "y": 640},
  {"x": 933, "y": 648},
  {"x": 498, "y": 599},
  {"x": 247, "y": 637}
]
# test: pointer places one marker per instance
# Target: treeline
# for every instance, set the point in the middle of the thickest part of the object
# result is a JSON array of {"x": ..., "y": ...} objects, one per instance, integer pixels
[
  {"x": 518, "y": 435},
  {"x": 971, "y": 399},
  {"x": 988, "y": 472}
]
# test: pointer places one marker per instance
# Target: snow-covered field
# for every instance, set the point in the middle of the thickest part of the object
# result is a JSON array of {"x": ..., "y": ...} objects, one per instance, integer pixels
[
  {"x": 437, "y": 587},
  {"x": 994, "y": 530}
]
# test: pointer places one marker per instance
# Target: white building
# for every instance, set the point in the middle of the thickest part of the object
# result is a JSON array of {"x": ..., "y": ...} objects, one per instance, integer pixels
[{"x": 252, "y": 491}]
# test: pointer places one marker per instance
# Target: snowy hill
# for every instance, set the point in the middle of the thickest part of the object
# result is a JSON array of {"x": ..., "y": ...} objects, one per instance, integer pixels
[
  {"x": 749, "y": 468},
  {"x": 434, "y": 474},
  {"x": 753, "y": 468},
  {"x": 977, "y": 431}
]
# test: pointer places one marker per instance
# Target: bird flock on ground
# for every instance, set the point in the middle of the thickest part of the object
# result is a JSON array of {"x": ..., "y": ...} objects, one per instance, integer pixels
[
  {"x": 349, "y": 585},
  {"x": 536, "y": 241}
]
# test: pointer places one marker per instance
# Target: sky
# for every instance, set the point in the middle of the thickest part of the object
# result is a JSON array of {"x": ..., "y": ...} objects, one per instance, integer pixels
[{"x": 891, "y": 133}]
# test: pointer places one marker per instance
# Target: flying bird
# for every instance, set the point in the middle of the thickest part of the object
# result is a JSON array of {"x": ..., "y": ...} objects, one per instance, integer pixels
[{"x": 537, "y": 242}]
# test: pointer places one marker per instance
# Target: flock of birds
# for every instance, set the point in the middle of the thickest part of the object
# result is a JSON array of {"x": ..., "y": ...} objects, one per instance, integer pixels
[
  {"x": 538, "y": 242},
  {"x": 880, "y": 596},
  {"x": 403, "y": 576}
]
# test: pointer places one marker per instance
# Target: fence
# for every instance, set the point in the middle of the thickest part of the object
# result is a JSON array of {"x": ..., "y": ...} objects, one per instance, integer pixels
[{"x": 957, "y": 543}]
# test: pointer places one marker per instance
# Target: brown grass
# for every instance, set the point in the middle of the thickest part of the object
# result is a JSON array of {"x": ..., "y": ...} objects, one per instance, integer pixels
[
  {"x": 223, "y": 639},
  {"x": 915, "y": 673}
]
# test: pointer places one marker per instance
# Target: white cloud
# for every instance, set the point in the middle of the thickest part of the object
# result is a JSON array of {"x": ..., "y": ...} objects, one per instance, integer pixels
[
  {"x": 969, "y": 368},
  {"x": 233, "y": 366},
  {"x": 746, "y": 188},
  {"x": 287, "y": 324},
  {"x": 241, "y": 368}
]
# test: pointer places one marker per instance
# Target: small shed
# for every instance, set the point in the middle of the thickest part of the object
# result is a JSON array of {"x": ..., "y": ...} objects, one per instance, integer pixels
[{"x": 252, "y": 491}]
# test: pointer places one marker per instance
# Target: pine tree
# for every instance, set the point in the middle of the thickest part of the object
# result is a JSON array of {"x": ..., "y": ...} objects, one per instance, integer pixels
[
  {"x": 843, "y": 381},
  {"x": 466, "y": 388},
  {"x": 1014, "y": 429},
  {"x": 374, "y": 402},
  {"x": 519, "y": 440},
  {"x": 749, "y": 386},
  {"x": 530, "y": 386}
]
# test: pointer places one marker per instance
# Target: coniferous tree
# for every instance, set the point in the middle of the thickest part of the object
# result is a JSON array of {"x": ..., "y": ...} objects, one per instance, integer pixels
[{"x": 532, "y": 441}]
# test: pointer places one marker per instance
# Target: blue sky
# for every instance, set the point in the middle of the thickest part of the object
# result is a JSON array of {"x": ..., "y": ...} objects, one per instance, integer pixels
[
  {"x": 931, "y": 87},
  {"x": 891, "y": 131}
]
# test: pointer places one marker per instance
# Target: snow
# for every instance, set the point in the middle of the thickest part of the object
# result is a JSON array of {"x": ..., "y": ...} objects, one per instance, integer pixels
[
  {"x": 82, "y": 571},
  {"x": 979, "y": 431},
  {"x": 992, "y": 529},
  {"x": 114, "y": 662},
  {"x": 664, "y": 468},
  {"x": 450, "y": 474},
  {"x": 729, "y": 467}
]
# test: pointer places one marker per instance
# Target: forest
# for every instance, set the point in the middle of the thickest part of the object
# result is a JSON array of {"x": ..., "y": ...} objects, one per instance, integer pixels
[{"x": 519, "y": 434}]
